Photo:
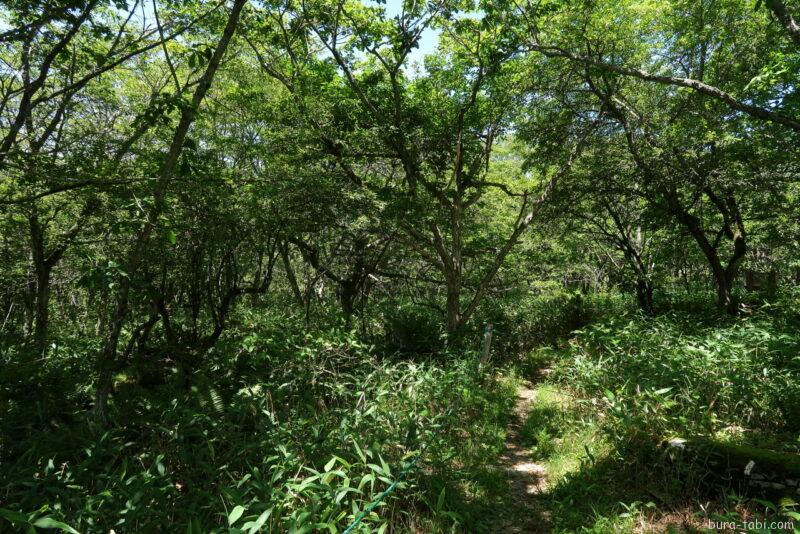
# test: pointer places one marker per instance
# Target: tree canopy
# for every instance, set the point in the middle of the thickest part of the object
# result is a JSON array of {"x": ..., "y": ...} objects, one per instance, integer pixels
[{"x": 176, "y": 175}]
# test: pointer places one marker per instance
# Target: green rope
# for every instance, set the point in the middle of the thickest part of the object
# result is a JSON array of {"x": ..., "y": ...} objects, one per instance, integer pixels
[
  {"x": 382, "y": 496},
  {"x": 391, "y": 487}
]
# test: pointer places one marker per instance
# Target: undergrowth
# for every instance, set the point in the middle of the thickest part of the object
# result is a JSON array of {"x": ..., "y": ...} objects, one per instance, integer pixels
[
  {"x": 282, "y": 431},
  {"x": 684, "y": 374},
  {"x": 294, "y": 433},
  {"x": 623, "y": 385}
]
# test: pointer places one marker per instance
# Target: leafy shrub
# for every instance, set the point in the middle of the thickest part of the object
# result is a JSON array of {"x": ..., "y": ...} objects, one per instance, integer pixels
[
  {"x": 523, "y": 323},
  {"x": 274, "y": 431},
  {"x": 412, "y": 329},
  {"x": 697, "y": 298},
  {"x": 683, "y": 374}
]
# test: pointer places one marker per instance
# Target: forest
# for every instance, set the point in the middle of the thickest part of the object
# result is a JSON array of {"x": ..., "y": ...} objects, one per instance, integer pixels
[{"x": 399, "y": 266}]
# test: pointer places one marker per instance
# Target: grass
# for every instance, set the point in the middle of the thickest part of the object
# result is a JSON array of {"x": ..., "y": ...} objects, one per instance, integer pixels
[
  {"x": 584, "y": 494},
  {"x": 550, "y": 431},
  {"x": 309, "y": 429},
  {"x": 299, "y": 433},
  {"x": 256, "y": 432},
  {"x": 471, "y": 491},
  {"x": 622, "y": 384}
]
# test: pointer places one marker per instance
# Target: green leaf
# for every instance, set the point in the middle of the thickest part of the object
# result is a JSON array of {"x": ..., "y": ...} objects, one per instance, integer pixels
[
  {"x": 258, "y": 523},
  {"x": 235, "y": 514},
  {"x": 386, "y": 469},
  {"x": 359, "y": 451},
  {"x": 330, "y": 464},
  {"x": 14, "y": 517},
  {"x": 194, "y": 527},
  {"x": 767, "y": 504},
  {"x": 49, "y": 522}
]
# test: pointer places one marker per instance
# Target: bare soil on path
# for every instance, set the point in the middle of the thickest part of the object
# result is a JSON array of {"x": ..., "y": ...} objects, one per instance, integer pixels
[{"x": 526, "y": 479}]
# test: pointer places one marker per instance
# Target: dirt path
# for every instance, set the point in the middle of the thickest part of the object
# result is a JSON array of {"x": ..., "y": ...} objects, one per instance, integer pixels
[{"x": 526, "y": 479}]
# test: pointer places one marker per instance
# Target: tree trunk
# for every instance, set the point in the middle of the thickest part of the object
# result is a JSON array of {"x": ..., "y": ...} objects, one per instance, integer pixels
[
  {"x": 348, "y": 290},
  {"x": 455, "y": 318},
  {"x": 290, "y": 276},
  {"x": 723, "y": 276},
  {"x": 451, "y": 269},
  {"x": 107, "y": 358},
  {"x": 732, "y": 269},
  {"x": 39, "y": 285},
  {"x": 725, "y": 300},
  {"x": 644, "y": 295},
  {"x": 42, "y": 308},
  {"x": 29, "y": 299},
  {"x": 453, "y": 306}
]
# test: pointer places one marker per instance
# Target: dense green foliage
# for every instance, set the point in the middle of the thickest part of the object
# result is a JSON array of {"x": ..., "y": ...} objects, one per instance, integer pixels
[
  {"x": 624, "y": 386},
  {"x": 673, "y": 374},
  {"x": 282, "y": 266},
  {"x": 300, "y": 432}
]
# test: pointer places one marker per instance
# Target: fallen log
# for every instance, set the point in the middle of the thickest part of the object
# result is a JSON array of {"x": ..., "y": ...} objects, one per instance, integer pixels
[{"x": 764, "y": 470}]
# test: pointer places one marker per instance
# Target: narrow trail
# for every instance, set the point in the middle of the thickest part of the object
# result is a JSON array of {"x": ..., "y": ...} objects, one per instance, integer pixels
[{"x": 527, "y": 480}]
